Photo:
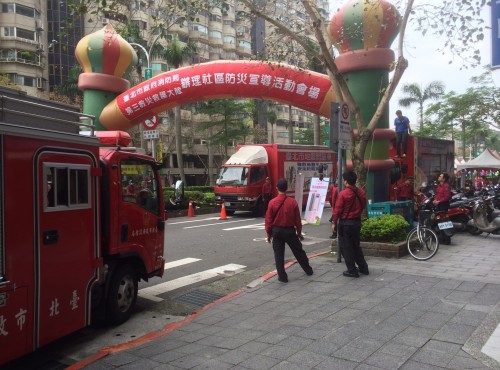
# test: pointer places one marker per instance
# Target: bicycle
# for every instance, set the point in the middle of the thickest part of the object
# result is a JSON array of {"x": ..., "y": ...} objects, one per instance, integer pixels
[{"x": 422, "y": 241}]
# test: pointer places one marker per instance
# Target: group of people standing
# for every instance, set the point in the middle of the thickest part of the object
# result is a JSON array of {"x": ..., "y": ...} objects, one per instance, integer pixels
[{"x": 283, "y": 225}]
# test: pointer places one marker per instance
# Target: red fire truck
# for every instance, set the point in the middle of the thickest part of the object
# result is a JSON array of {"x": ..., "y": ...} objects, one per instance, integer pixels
[
  {"x": 240, "y": 180},
  {"x": 75, "y": 239}
]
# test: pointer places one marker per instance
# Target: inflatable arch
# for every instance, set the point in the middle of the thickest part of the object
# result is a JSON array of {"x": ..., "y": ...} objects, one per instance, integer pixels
[{"x": 307, "y": 90}]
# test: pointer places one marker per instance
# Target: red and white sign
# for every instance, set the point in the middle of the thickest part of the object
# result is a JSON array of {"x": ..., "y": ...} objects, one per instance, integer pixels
[{"x": 151, "y": 123}]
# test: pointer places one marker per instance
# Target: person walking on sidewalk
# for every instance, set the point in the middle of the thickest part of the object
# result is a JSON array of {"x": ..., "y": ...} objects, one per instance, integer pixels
[
  {"x": 403, "y": 129},
  {"x": 283, "y": 225},
  {"x": 350, "y": 204}
]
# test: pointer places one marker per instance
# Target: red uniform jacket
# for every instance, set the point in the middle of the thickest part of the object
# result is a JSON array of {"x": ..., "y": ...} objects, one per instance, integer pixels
[
  {"x": 348, "y": 205},
  {"x": 443, "y": 192},
  {"x": 287, "y": 216}
]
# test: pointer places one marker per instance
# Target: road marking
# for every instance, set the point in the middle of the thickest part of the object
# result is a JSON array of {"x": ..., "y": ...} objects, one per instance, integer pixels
[
  {"x": 491, "y": 347},
  {"x": 218, "y": 223},
  {"x": 194, "y": 220},
  {"x": 152, "y": 292},
  {"x": 254, "y": 226},
  {"x": 181, "y": 262}
]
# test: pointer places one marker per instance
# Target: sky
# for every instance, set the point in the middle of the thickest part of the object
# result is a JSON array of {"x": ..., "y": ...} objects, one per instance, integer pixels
[{"x": 426, "y": 65}]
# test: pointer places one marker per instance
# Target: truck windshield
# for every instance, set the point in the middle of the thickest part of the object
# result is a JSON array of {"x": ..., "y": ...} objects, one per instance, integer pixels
[{"x": 233, "y": 176}]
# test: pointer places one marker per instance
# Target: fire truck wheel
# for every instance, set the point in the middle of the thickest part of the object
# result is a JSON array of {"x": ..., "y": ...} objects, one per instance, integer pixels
[{"x": 122, "y": 295}]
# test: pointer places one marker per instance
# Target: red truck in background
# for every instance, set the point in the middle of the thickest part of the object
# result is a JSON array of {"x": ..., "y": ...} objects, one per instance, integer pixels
[
  {"x": 239, "y": 184},
  {"x": 74, "y": 241},
  {"x": 427, "y": 158}
]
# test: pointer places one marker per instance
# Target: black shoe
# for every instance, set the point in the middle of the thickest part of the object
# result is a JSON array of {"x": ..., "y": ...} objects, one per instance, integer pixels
[
  {"x": 333, "y": 236},
  {"x": 283, "y": 280},
  {"x": 364, "y": 270},
  {"x": 351, "y": 274},
  {"x": 309, "y": 273}
]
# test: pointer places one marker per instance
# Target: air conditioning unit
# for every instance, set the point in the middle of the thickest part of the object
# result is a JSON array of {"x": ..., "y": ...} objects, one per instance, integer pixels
[
  {"x": 105, "y": 20},
  {"x": 39, "y": 83},
  {"x": 39, "y": 25}
]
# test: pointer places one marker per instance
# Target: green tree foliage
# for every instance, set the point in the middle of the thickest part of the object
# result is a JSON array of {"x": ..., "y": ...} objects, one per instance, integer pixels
[
  {"x": 415, "y": 95},
  {"x": 306, "y": 136},
  {"x": 473, "y": 114},
  {"x": 226, "y": 121}
]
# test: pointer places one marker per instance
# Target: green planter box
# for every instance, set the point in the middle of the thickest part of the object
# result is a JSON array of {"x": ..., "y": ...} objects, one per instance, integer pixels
[{"x": 404, "y": 209}]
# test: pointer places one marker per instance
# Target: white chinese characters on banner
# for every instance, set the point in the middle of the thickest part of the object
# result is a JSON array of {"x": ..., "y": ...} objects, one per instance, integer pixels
[{"x": 316, "y": 200}]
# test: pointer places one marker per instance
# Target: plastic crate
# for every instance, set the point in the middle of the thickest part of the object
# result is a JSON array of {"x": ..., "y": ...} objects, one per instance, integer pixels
[{"x": 404, "y": 208}]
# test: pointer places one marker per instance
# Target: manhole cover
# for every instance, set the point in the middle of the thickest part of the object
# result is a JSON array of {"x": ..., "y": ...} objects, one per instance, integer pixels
[{"x": 199, "y": 298}]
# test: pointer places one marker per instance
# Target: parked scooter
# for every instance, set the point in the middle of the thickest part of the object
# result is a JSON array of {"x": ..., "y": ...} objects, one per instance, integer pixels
[{"x": 485, "y": 217}]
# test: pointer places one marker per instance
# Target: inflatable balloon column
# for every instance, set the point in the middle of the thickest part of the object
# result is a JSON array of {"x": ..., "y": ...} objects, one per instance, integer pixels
[
  {"x": 104, "y": 56},
  {"x": 362, "y": 31}
]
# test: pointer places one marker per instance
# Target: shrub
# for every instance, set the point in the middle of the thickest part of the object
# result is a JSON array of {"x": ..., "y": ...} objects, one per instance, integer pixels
[{"x": 386, "y": 228}]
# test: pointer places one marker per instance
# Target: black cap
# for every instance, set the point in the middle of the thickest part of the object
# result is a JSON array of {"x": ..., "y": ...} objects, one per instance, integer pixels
[{"x": 282, "y": 184}]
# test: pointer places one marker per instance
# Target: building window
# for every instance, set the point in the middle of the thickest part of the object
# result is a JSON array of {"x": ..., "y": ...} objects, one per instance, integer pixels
[
  {"x": 9, "y": 31},
  {"x": 229, "y": 39},
  {"x": 25, "y": 34},
  {"x": 8, "y": 8},
  {"x": 244, "y": 44},
  {"x": 216, "y": 34},
  {"x": 199, "y": 28},
  {"x": 215, "y": 18},
  {"x": 25, "y": 10},
  {"x": 26, "y": 81}
]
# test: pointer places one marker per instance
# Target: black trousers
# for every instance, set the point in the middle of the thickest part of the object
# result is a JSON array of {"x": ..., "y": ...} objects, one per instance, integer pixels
[
  {"x": 401, "y": 141},
  {"x": 349, "y": 243},
  {"x": 282, "y": 235}
]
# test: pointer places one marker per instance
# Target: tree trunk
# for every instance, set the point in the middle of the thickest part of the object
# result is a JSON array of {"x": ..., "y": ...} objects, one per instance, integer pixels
[
  {"x": 316, "y": 129},
  {"x": 178, "y": 142}
]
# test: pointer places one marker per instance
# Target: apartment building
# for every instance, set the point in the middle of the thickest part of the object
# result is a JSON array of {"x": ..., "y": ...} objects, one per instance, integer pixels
[{"x": 38, "y": 40}]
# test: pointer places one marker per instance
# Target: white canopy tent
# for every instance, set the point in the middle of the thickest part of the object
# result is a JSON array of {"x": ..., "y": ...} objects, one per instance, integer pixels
[{"x": 487, "y": 159}]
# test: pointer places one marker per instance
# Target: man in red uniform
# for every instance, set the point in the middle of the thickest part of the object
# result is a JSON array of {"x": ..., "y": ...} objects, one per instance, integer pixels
[
  {"x": 348, "y": 208},
  {"x": 442, "y": 193},
  {"x": 267, "y": 193},
  {"x": 283, "y": 225},
  {"x": 405, "y": 190}
]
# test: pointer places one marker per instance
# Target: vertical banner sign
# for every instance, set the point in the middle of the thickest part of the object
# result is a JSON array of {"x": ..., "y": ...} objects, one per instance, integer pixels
[
  {"x": 316, "y": 201},
  {"x": 495, "y": 34}
]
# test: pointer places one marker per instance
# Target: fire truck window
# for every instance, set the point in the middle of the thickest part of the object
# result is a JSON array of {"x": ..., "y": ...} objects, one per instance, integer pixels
[
  {"x": 139, "y": 185},
  {"x": 257, "y": 174},
  {"x": 67, "y": 186}
]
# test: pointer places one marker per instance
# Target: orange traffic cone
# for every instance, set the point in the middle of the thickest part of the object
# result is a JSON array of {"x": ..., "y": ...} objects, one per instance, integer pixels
[
  {"x": 223, "y": 215},
  {"x": 190, "y": 210}
]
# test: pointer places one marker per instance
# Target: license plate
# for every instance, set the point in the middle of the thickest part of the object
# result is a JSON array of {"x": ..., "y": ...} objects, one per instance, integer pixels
[
  {"x": 227, "y": 204},
  {"x": 445, "y": 225}
]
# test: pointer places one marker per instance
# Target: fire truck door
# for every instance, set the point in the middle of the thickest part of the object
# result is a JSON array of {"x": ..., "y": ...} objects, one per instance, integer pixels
[{"x": 68, "y": 243}]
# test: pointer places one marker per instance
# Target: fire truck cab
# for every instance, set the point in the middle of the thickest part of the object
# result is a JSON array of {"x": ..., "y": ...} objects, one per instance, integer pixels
[{"x": 74, "y": 238}]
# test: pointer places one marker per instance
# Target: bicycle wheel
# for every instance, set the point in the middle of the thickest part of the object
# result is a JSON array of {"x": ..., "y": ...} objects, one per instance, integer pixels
[{"x": 422, "y": 243}]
